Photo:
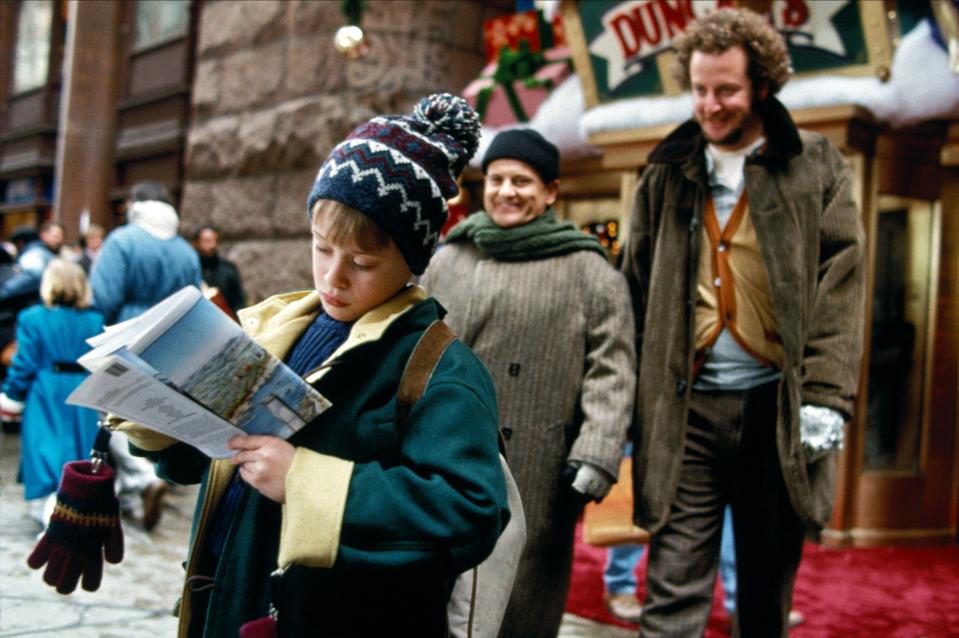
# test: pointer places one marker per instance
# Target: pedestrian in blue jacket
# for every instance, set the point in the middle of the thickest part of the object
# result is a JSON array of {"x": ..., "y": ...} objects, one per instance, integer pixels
[
  {"x": 144, "y": 261},
  {"x": 139, "y": 265},
  {"x": 50, "y": 338}
]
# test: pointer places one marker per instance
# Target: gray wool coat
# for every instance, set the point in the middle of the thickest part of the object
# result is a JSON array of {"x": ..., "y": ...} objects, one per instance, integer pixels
[
  {"x": 556, "y": 335},
  {"x": 812, "y": 241}
]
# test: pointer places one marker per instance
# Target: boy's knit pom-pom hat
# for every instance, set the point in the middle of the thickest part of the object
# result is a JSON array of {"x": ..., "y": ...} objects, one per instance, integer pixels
[{"x": 400, "y": 170}]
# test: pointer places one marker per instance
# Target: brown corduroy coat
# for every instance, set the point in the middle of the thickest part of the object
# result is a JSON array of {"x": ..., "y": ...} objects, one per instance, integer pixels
[{"x": 812, "y": 241}]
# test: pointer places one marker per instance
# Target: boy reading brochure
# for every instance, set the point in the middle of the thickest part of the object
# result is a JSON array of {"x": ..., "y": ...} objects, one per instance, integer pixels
[{"x": 368, "y": 518}]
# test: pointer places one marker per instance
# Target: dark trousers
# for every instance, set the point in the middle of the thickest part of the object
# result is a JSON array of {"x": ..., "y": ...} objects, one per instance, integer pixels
[{"x": 730, "y": 457}]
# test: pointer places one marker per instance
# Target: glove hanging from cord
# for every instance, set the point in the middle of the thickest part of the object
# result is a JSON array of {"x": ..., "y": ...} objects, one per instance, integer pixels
[{"x": 85, "y": 526}]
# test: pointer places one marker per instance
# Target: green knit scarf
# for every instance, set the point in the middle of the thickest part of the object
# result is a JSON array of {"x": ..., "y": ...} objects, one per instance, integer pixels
[{"x": 543, "y": 237}]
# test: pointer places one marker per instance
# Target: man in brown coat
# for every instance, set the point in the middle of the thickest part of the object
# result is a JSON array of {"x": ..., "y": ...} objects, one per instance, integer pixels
[
  {"x": 540, "y": 305},
  {"x": 745, "y": 269}
]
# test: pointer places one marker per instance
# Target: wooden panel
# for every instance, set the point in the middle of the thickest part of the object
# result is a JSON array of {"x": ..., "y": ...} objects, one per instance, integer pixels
[
  {"x": 631, "y": 136},
  {"x": 628, "y": 156},
  {"x": 942, "y": 460},
  {"x": 28, "y": 155},
  {"x": 153, "y": 114},
  {"x": 573, "y": 28},
  {"x": 155, "y": 127},
  {"x": 7, "y": 22},
  {"x": 888, "y": 501},
  {"x": 150, "y": 139},
  {"x": 909, "y": 161},
  {"x": 160, "y": 68},
  {"x": 590, "y": 184},
  {"x": 629, "y": 149},
  {"x": 850, "y": 460},
  {"x": 900, "y": 537},
  {"x": 165, "y": 168},
  {"x": 27, "y": 110},
  {"x": 949, "y": 156},
  {"x": 171, "y": 107}
]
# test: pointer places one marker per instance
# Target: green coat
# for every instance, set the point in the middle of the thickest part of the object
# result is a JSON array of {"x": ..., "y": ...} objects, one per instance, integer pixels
[
  {"x": 812, "y": 241},
  {"x": 379, "y": 518}
]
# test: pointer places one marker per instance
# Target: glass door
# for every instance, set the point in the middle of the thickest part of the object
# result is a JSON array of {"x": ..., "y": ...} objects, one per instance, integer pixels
[{"x": 902, "y": 314}]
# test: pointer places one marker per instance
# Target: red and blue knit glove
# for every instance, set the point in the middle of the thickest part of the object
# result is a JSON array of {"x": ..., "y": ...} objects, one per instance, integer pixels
[{"x": 83, "y": 530}]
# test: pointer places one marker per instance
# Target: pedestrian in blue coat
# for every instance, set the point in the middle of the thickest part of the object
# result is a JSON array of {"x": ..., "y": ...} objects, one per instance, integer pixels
[
  {"x": 50, "y": 338},
  {"x": 141, "y": 264},
  {"x": 145, "y": 261}
]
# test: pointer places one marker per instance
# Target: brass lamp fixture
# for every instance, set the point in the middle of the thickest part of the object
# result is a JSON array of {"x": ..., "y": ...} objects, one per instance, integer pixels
[{"x": 350, "y": 40}]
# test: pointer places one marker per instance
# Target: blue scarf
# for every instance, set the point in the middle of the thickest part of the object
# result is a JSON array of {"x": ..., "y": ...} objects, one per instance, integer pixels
[{"x": 313, "y": 347}]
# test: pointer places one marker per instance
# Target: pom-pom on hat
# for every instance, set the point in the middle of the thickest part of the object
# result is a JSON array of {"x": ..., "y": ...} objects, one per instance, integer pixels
[
  {"x": 400, "y": 170},
  {"x": 526, "y": 145}
]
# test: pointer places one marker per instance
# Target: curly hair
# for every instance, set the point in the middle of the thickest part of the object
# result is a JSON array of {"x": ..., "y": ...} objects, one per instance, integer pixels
[{"x": 769, "y": 62}]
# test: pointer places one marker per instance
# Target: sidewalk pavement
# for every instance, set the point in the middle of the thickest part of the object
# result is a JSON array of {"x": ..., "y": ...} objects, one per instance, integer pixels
[{"x": 135, "y": 597}]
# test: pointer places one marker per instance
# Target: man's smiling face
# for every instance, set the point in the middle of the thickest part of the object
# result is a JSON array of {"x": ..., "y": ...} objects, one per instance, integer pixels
[{"x": 724, "y": 99}]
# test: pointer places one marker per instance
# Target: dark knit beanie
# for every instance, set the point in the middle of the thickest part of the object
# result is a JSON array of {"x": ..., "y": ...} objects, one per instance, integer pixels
[
  {"x": 526, "y": 145},
  {"x": 150, "y": 190},
  {"x": 400, "y": 170}
]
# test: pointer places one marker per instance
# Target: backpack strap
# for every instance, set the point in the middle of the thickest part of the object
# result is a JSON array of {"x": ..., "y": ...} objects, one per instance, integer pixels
[{"x": 419, "y": 367}]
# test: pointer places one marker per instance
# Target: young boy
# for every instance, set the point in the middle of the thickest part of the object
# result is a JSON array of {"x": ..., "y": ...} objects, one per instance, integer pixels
[{"x": 371, "y": 518}]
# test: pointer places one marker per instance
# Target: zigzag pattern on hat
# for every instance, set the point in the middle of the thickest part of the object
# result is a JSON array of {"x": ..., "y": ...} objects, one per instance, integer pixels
[
  {"x": 406, "y": 126},
  {"x": 383, "y": 155},
  {"x": 380, "y": 162},
  {"x": 431, "y": 156}
]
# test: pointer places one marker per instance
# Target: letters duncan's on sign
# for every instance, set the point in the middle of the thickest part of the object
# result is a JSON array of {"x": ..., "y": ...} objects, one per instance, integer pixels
[{"x": 623, "y": 48}]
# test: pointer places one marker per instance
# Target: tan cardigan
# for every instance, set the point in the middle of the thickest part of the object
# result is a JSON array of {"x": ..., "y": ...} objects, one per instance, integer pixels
[{"x": 733, "y": 288}]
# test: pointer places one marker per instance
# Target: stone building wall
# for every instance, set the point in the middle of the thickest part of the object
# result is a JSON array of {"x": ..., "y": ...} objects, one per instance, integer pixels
[{"x": 271, "y": 97}]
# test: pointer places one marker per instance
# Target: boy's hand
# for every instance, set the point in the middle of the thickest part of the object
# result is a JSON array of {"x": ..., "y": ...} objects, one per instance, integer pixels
[{"x": 264, "y": 462}]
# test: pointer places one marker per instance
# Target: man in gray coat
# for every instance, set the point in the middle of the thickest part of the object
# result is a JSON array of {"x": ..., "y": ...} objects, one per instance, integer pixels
[
  {"x": 538, "y": 302},
  {"x": 745, "y": 266}
]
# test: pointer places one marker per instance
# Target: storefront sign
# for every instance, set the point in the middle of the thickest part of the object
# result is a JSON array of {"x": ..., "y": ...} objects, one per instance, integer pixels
[
  {"x": 527, "y": 58},
  {"x": 624, "y": 48}
]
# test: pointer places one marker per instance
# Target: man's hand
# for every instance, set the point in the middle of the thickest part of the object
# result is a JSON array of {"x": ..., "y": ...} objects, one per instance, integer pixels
[
  {"x": 591, "y": 482},
  {"x": 821, "y": 431},
  {"x": 264, "y": 463}
]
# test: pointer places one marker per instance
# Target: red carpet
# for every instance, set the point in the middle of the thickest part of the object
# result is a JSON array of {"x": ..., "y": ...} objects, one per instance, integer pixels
[{"x": 888, "y": 592}]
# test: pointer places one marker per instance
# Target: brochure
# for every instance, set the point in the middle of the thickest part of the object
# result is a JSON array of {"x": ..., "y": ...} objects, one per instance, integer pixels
[{"x": 184, "y": 368}]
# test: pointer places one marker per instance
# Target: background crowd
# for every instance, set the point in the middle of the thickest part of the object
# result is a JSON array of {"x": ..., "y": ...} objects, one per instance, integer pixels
[{"x": 53, "y": 296}]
